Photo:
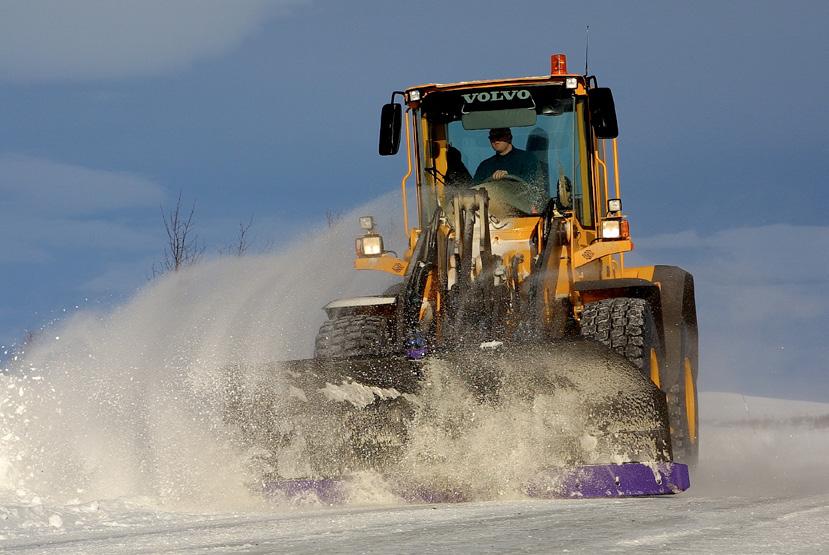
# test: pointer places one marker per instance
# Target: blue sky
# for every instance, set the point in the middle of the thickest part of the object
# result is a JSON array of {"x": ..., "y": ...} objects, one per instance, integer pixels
[{"x": 269, "y": 109}]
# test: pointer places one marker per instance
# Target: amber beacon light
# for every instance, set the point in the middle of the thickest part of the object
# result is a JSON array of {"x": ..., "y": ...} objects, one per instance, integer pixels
[{"x": 558, "y": 64}]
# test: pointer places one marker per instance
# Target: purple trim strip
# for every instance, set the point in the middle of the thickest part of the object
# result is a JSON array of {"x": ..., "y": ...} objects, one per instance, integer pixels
[
  {"x": 327, "y": 490},
  {"x": 611, "y": 480},
  {"x": 603, "y": 480}
]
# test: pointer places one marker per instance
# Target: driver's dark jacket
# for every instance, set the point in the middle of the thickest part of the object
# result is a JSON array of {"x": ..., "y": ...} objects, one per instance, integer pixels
[{"x": 517, "y": 162}]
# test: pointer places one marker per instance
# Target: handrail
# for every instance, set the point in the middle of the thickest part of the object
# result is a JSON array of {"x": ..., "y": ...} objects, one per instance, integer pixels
[
  {"x": 618, "y": 192},
  {"x": 616, "y": 169},
  {"x": 603, "y": 167},
  {"x": 406, "y": 177},
  {"x": 607, "y": 175}
]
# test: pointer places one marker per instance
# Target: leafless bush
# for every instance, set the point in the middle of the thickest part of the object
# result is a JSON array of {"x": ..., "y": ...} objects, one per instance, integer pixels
[
  {"x": 333, "y": 216},
  {"x": 242, "y": 244},
  {"x": 183, "y": 247}
]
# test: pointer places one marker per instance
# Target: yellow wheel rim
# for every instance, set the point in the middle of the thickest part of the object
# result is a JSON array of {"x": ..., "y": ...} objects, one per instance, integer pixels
[
  {"x": 655, "y": 368},
  {"x": 690, "y": 401}
]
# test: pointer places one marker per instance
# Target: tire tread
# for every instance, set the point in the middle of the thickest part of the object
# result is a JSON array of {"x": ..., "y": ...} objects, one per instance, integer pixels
[{"x": 352, "y": 336}]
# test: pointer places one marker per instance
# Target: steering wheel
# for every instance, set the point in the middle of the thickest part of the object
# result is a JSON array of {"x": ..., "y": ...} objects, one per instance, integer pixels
[
  {"x": 509, "y": 196},
  {"x": 512, "y": 178}
]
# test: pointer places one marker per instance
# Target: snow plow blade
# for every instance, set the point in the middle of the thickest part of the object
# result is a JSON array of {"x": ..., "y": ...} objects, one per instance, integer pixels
[
  {"x": 590, "y": 481},
  {"x": 557, "y": 420},
  {"x": 612, "y": 480}
]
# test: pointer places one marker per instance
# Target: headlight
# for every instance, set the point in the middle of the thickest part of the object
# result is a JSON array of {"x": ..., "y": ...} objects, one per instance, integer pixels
[
  {"x": 369, "y": 245},
  {"x": 614, "y": 205},
  {"x": 611, "y": 229},
  {"x": 615, "y": 229}
]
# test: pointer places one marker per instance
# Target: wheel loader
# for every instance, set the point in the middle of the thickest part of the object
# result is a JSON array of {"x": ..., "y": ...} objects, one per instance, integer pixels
[{"x": 514, "y": 288}]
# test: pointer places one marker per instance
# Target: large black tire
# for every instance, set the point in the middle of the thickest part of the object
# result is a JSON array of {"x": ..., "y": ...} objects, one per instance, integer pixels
[
  {"x": 627, "y": 326},
  {"x": 682, "y": 359},
  {"x": 362, "y": 438},
  {"x": 358, "y": 335},
  {"x": 682, "y": 401}
]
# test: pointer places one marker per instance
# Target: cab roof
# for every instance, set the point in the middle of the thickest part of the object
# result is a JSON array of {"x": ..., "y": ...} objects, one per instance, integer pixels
[{"x": 539, "y": 79}]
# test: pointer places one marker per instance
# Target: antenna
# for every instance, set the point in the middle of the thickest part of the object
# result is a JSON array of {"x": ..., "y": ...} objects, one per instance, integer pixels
[{"x": 586, "y": 48}]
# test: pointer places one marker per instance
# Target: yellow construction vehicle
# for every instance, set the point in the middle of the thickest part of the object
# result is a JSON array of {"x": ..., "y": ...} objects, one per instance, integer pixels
[{"x": 515, "y": 263}]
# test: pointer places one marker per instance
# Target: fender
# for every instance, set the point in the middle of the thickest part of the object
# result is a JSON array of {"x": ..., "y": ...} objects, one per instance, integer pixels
[{"x": 361, "y": 305}]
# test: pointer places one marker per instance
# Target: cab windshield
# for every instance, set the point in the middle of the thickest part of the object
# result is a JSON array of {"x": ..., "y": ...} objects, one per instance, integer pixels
[{"x": 524, "y": 145}]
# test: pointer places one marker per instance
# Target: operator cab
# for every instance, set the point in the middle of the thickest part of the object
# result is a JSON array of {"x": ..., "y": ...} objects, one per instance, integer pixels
[
  {"x": 536, "y": 145},
  {"x": 545, "y": 127}
]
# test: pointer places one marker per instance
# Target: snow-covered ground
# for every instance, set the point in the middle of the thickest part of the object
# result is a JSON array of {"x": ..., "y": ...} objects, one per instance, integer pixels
[{"x": 761, "y": 487}]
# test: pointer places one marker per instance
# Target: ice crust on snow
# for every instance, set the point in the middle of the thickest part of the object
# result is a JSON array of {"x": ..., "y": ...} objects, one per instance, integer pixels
[
  {"x": 491, "y": 345},
  {"x": 357, "y": 394}
]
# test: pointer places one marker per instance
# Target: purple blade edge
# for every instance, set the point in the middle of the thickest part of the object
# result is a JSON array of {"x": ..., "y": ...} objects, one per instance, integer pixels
[
  {"x": 611, "y": 480},
  {"x": 326, "y": 490},
  {"x": 604, "y": 480}
]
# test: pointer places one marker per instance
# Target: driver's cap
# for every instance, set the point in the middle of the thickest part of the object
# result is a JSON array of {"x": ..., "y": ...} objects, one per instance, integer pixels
[{"x": 500, "y": 133}]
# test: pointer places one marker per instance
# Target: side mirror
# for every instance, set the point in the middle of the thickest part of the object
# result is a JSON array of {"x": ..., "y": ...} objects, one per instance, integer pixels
[
  {"x": 603, "y": 113},
  {"x": 390, "y": 119}
]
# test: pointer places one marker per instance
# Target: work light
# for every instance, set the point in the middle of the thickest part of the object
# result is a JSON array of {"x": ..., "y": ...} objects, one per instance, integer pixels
[
  {"x": 367, "y": 223},
  {"x": 369, "y": 245}
]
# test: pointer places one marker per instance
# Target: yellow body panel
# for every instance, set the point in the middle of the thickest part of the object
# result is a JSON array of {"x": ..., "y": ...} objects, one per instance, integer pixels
[
  {"x": 656, "y": 377},
  {"x": 690, "y": 399},
  {"x": 599, "y": 250},
  {"x": 520, "y": 229},
  {"x": 388, "y": 264},
  {"x": 513, "y": 240}
]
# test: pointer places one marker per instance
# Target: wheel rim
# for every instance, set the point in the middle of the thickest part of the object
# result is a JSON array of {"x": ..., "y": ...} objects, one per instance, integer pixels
[
  {"x": 690, "y": 401},
  {"x": 655, "y": 368}
]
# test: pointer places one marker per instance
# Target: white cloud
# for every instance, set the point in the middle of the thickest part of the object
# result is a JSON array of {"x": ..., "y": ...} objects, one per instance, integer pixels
[
  {"x": 49, "y": 207},
  {"x": 87, "y": 233},
  {"x": 680, "y": 240},
  {"x": 761, "y": 303},
  {"x": 773, "y": 254},
  {"x": 769, "y": 273},
  {"x": 43, "y": 40},
  {"x": 46, "y": 187}
]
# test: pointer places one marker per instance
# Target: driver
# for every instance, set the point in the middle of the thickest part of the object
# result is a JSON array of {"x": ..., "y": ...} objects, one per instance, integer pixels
[{"x": 507, "y": 160}]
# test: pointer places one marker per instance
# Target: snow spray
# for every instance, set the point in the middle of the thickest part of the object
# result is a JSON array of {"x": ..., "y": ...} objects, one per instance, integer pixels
[{"x": 128, "y": 404}]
